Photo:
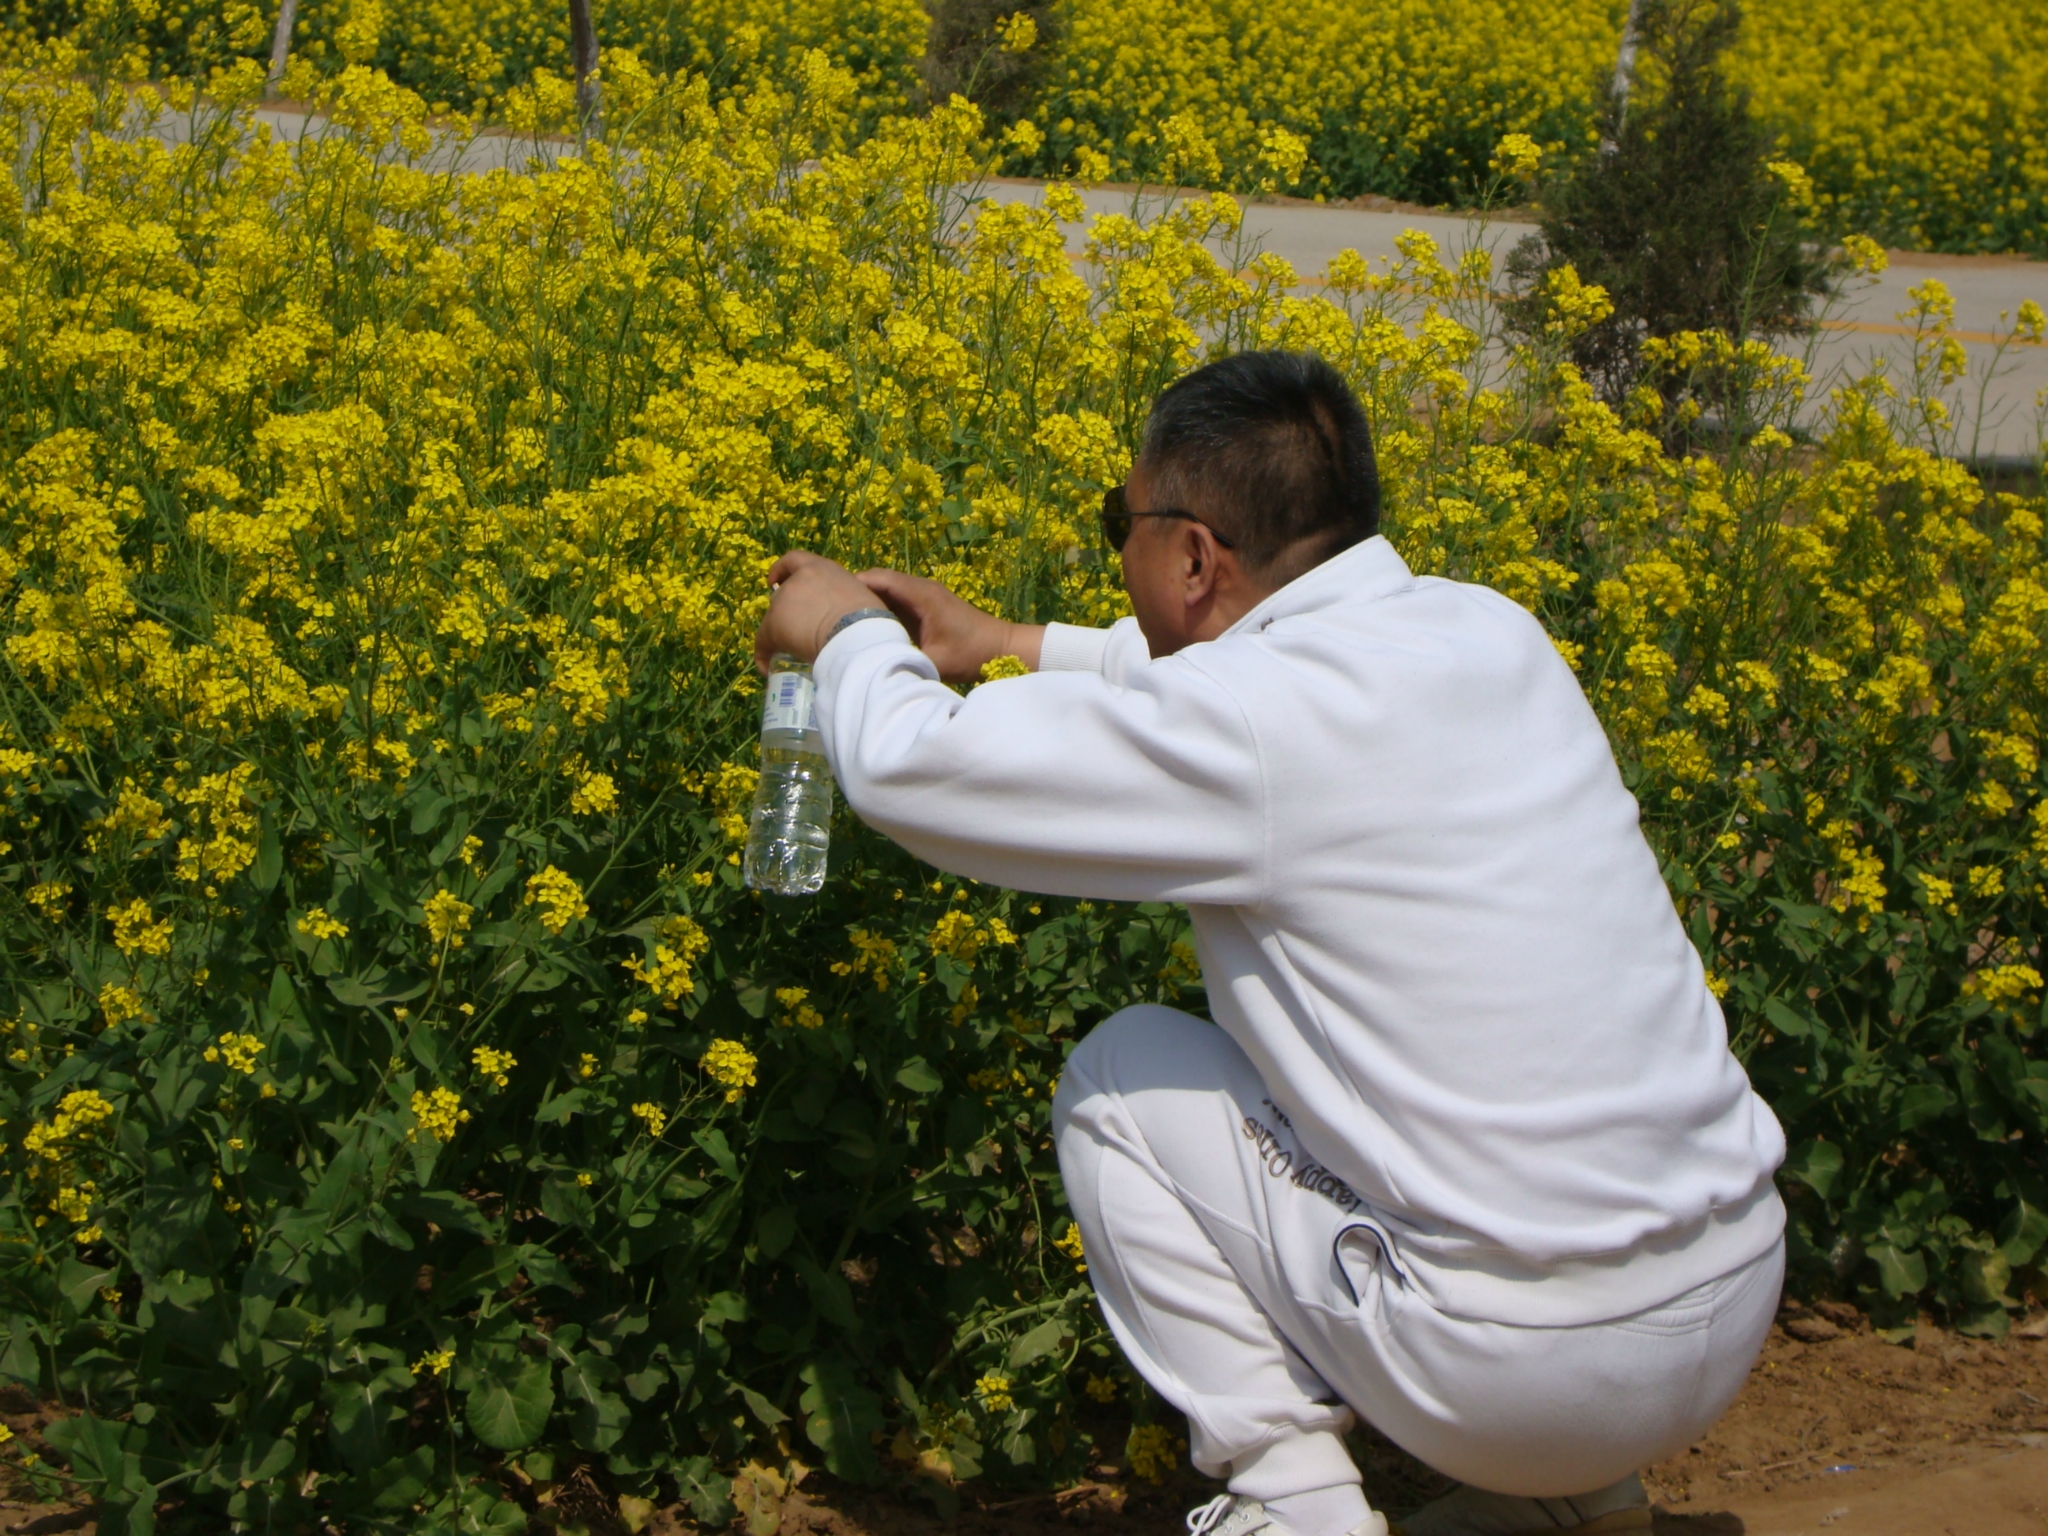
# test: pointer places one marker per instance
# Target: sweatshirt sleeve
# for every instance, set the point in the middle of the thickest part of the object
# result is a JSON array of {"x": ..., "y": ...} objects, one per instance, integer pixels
[
  {"x": 1113, "y": 652},
  {"x": 1062, "y": 782}
]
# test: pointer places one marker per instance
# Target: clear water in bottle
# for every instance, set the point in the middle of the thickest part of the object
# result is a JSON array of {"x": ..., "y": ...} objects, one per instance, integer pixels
[{"x": 791, "y": 824}]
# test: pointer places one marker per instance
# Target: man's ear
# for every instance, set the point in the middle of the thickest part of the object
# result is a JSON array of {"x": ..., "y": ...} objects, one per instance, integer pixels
[{"x": 1198, "y": 554}]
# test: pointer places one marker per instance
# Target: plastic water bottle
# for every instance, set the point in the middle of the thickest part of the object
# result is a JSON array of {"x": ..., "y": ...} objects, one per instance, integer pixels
[{"x": 791, "y": 824}]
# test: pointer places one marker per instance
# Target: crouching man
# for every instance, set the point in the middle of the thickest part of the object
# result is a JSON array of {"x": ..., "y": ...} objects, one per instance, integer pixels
[{"x": 1464, "y": 1151}]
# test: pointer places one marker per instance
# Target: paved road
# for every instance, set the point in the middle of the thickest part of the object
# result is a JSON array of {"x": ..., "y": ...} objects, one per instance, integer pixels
[{"x": 2002, "y": 402}]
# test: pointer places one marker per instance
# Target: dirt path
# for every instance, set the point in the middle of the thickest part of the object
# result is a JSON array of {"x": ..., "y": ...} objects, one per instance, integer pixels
[
  {"x": 1839, "y": 1431},
  {"x": 1837, "y": 1434},
  {"x": 2006, "y": 1495}
]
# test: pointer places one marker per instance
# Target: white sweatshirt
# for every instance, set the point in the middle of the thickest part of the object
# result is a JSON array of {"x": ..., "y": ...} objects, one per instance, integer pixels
[{"x": 1421, "y": 899}]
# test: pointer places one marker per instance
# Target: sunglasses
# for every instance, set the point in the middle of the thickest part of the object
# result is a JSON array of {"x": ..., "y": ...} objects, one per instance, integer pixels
[{"x": 1117, "y": 518}]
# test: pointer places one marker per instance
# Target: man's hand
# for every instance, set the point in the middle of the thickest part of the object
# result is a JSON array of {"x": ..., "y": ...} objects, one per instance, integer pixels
[
  {"x": 958, "y": 637},
  {"x": 811, "y": 594}
]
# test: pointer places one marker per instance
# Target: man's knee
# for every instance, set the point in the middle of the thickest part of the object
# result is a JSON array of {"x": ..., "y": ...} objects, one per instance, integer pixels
[
  {"x": 1123, "y": 1052},
  {"x": 1140, "y": 1051}
]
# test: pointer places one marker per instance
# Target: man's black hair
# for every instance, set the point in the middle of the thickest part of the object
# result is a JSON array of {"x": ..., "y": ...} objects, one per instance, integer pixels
[{"x": 1272, "y": 450}]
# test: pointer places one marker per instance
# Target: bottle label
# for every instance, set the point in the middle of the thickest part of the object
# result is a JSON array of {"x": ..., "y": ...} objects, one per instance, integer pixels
[{"x": 792, "y": 703}]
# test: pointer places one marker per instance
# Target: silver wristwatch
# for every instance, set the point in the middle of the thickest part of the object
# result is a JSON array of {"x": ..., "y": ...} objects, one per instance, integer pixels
[{"x": 846, "y": 620}]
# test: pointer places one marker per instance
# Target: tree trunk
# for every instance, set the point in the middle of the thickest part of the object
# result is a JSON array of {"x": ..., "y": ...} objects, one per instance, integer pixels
[
  {"x": 583, "y": 49},
  {"x": 1624, "y": 69},
  {"x": 281, "y": 45}
]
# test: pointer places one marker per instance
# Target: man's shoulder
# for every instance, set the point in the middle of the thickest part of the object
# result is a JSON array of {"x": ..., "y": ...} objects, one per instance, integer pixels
[{"x": 1419, "y": 621}]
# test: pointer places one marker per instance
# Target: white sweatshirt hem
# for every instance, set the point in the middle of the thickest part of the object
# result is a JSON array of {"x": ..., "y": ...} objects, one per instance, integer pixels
[{"x": 1495, "y": 1286}]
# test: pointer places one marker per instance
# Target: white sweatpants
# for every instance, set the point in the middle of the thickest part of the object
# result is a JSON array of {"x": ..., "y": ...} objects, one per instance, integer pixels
[{"x": 1230, "y": 1291}]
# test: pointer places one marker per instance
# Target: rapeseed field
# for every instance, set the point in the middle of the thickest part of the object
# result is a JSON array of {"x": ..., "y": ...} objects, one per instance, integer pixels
[{"x": 410, "y": 1121}]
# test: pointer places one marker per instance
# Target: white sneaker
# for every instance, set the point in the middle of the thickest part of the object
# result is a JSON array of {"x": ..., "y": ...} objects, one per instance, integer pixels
[
  {"x": 1469, "y": 1511},
  {"x": 1232, "y": 1514}
]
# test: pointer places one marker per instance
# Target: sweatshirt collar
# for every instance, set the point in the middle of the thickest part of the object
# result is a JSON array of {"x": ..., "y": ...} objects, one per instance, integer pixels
[{"x": 1364, "y": 571}]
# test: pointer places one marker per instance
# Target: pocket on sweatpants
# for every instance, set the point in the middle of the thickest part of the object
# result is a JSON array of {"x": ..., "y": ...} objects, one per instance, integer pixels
[{"x": 1362, "y": 1256}]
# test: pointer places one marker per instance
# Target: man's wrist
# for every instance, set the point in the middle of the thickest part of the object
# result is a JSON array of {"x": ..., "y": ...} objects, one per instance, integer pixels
[
  {"x": 847, "y": 620},
  {"x": 1023, "y": 641}
]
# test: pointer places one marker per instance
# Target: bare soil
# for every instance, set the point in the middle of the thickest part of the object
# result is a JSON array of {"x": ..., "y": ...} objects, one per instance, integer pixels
[
  {"x": 1837, "y": 1432},
  {"x": 1829, "y": 1395}
]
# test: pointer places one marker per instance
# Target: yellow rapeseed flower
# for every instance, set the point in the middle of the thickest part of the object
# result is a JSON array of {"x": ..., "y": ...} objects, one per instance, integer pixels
[
  {"x": 237, "y": 1051},
  {"x": 137, "y": 931},
  {"x": 730, "y": 1065},
  {"x": 493, "y": 1064},
  {"x": 559, "y": 898},
  {"x": 439, "y": 1113},
  {"x": 316, "y": 924},
  {"x": 993, "y": 1391},
  {"x": 447, "y": 918}
]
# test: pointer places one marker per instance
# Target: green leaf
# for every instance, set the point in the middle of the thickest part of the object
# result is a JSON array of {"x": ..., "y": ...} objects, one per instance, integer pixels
[
  {"x": 906, "y": 1394},
  {"x": 715, "y": 1146},
  {"x": 706, "y": 1490},
  {"x": 1984, "y": 1323},
  {"x": 1785, "y": 1020},
  {"x": 106, "y": 1457},
  {"x": 1900, "y": 1273},
  {"x": 80, "y": 1284},
  {"x": 561, "y": 1107},
  {"x": 917, "y": 1075},
  {"x": 566, "y": 1203},
  {"x": 426, "y": 812},
  {"x": 449, "y": 1211},
  {"x": 1922, "y": 1102},
  {"x": 258, "y": 1459},
  {"x": 20, "y": 1360},
  {"x": 543, "y": 1268},
  {"x": 1984, "y": 1277},
  {"x": 774, "y": 1231},
  {"x": 400, "y": 1482},
  {"x": 178, "y": 1224},
  {"x": 1978, "y": 1106},
  {"x": 762, "y": 1409},
  {"x": 490, "y": 1267},
  {"x": 1040, "y": 1341},
  {"x": 830, "y": 1294},
  {"x": 842, "y": 1413},
  {"x": 387, "y": 1228},
  {"x": 1019, "y": 1447},
  {"x": 509, "y": 1406},
  {"x": 542, "y": 978},
  {"x": 269, "y": 857},
  {"x": 1816, "y": 1164},
  {"x": 2035, "y": 1088},
  {"x": 2022, "y": 1233},
  {"x": 361, "y": 1415},
  {"x": 725, "y": 1307},
  {"x": 599, "y": 1423},
  {"x": 374, "y": 988},
  {"x": 451, "y": 840},
  {"x": 586, "y": 1375}
]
